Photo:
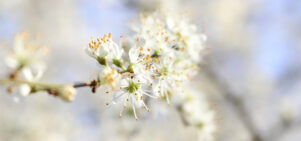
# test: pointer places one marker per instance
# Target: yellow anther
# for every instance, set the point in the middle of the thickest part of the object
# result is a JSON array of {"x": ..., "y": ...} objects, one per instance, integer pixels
[
  {"x": 166, "y": 39},
  {"x": 90, "y": 45},
  {"x": 110, "y": 35}
]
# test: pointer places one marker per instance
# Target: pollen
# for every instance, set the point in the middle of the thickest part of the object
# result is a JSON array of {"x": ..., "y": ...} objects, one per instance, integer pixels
[{"x": 90, "y": 45}]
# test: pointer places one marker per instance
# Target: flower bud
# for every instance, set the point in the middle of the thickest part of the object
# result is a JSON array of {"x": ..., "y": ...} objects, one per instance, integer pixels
[
  {"x": 24, "y": 89},
  {"x": 67, "y": 93}
]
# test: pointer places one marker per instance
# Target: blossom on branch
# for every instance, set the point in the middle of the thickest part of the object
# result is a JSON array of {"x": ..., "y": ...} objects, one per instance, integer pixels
[
  {"x": 161, "y": 55},
  {"x": 26, "y": 63}
]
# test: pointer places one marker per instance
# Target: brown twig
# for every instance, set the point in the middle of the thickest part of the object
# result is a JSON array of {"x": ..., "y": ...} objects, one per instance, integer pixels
[{"x": 94, "y": 84}]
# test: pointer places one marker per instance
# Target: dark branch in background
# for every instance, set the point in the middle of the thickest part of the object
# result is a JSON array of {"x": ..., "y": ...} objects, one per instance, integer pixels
[
  {"x": 237, "y": 103},
  {"x": 282, "y": 128}
]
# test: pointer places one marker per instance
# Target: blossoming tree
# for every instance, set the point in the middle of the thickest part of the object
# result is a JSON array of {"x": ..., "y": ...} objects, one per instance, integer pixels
[{"x": 155, "y": 63}]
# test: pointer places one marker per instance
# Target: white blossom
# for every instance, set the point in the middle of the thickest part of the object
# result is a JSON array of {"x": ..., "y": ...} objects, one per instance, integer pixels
[
  {"x": 25, "y": 52},
  {"x": 132, "y": 94},
  {"x": 25, "y": 60},
  {"x": 161, "y": 56},
  {"x": 196, "y": 111}
]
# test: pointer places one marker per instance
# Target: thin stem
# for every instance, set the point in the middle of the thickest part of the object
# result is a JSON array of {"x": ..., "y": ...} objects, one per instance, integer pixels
[
  {"x": 82, "y": 84},
  {"x": 49, "y": 87},
  {"x": 16, "y": 82}
]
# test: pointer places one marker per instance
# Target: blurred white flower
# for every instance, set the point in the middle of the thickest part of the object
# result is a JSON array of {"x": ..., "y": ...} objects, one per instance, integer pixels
[
  {"x": 289, "y": 111},
  {"x": 196, "y": 111},
  {"x": 24, "y": 89},
  {"x": 25, "y": 53},
  {"x": 26, "y": 61}
]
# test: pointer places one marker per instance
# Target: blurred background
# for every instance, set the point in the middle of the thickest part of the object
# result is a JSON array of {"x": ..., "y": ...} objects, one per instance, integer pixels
[{"x": 251, "y": 73}]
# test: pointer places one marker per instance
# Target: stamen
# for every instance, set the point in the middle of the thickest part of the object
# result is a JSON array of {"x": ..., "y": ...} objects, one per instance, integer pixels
[
  {"x": 146, "y": 107},
  {"x": 90, "y": 45},
  {"x": 133, "y": 106},
  {"x": 152, "y": 96},
  {"x": 120, "y": 114},
  {"x": 166, "y": 39},
  {"x": 167, "y": 98}
]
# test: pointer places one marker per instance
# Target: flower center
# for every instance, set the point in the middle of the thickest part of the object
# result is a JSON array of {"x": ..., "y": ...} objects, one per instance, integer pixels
[{"x": 133, "y": 87}]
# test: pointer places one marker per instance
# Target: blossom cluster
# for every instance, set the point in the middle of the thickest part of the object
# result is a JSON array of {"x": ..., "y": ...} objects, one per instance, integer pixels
[{"x": 161, "y": 55}]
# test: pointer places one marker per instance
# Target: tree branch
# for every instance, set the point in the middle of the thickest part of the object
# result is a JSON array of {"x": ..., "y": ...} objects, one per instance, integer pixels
[{"x": 238, "y": 105}]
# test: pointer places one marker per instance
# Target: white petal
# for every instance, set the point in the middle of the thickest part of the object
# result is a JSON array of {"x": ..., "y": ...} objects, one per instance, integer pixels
[
  {"x": 24, "y": 89},
  {"x": 11, "y": 62},
  {"x": 133, "y": 54},
  {"x": 27, "y": 74}
]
